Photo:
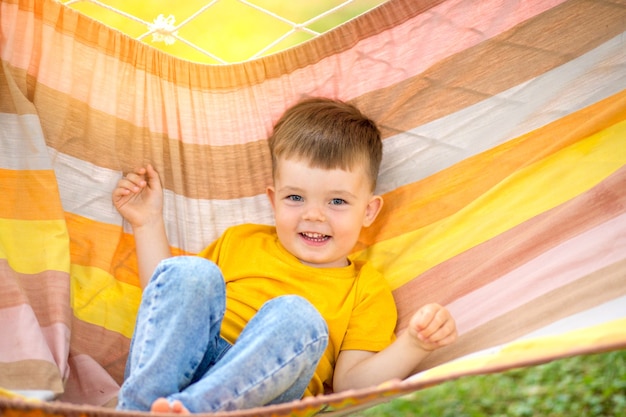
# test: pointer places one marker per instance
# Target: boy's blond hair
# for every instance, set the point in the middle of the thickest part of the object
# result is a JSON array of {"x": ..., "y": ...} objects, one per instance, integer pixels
[{"x": 328, "y": 134}]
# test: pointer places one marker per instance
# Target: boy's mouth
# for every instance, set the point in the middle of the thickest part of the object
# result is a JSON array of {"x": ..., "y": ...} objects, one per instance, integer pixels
[{"x": 314, "y": 237}]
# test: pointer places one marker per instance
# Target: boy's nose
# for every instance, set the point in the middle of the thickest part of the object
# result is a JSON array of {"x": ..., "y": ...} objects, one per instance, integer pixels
[{"x": 313, "y": 213}]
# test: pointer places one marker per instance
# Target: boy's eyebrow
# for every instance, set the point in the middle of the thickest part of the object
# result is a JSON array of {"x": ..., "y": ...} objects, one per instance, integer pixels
[
  {"x": 343, "y": 193},
  {"x": 289, "y": 189},
  {"x": 298, "y": 190}
]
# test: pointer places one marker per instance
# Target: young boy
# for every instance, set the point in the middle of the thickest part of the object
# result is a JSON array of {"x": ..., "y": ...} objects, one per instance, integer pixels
[{"x": 268, "y": 314}]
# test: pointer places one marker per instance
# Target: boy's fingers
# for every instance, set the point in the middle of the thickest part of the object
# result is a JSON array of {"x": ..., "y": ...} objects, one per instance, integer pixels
[
  {"x": 448, "y": 340},
  {"x": 441, "y": 343},
  {"x": 120, "y": 192},
  {"x": 140, "y": 171},
  {"x": 152, "y": 177},
  {"x": 425, "y": 316},
  {"x": 433, "y": 321},
  {"x": 135, "y": 177},
  {"x": 149, "y": 169},
  {"x": 445, "y": 331},
  {"x": 132, "y": 181}
]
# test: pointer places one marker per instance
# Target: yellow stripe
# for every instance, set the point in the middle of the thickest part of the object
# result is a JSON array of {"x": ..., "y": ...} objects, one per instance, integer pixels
[
  {"x": 523, "y": 195},
  {"x": 33, "y": 246},
  {"x": 98, "y": 298}
]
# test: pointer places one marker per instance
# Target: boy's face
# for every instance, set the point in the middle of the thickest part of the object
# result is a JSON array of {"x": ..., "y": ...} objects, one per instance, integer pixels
[{"x": 319, "y": 212}]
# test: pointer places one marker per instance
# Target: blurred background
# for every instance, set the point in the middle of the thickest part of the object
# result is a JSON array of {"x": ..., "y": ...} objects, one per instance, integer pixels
[{"x": 222, "y": 31}]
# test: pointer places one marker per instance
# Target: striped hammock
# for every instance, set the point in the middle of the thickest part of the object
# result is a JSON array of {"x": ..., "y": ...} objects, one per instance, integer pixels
[{"x": 504, "y": 179}]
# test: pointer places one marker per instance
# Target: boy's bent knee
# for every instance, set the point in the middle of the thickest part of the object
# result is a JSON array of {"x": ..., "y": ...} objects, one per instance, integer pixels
[
  {"x": 297, "y": 311},
  {"x": 295, "y": 304},
  {"x": 191, "y": 273}
]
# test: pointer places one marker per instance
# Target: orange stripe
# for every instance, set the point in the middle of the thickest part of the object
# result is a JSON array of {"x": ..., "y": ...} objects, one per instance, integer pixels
[
  {"x": 92, "y": 243},
  {"x": 29, "y": 195},
  {"x": 446, "y": 192},
  {"x": 104, "y": 246}
]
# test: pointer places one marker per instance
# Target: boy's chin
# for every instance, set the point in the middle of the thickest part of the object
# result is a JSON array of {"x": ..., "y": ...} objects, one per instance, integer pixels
[{"x": 327, "y": 263}]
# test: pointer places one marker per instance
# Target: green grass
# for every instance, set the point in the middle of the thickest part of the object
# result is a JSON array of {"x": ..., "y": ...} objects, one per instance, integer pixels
[{"x": 592, "y": 385}]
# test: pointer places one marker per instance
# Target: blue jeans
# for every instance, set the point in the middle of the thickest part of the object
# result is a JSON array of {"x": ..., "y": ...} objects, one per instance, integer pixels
[{"x": 177, "y": 351}]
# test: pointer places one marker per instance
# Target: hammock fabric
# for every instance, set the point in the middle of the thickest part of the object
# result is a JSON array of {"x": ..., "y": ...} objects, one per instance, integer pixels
[{"x": 504, "y": 180}]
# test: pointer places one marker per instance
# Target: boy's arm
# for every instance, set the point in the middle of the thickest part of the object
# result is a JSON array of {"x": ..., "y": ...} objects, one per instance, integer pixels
[
  {"x": 139, "y": 199},
  {"x": 152, "y": 247},
  {"x": 430, "y": 328}
]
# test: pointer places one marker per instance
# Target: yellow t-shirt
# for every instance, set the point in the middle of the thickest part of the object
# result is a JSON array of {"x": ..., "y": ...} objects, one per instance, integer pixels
[{"x": 355, "y": 301}]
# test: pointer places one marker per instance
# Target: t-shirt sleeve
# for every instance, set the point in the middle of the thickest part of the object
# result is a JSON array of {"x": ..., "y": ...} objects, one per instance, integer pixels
[
  {"x": 214, "y": 250},
  {"x": 374, "y": 316}
]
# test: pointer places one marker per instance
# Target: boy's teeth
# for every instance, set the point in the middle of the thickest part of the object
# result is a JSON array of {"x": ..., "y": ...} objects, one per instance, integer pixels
[{"x": 314, "y": 235}]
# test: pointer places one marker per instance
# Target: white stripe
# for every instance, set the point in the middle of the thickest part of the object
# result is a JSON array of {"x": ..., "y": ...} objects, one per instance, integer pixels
[
  {"x": 192, "y": 224},
  {"x": 603, "y": 313},
  {"x": 428, "y": 149},
  {"x": 22, "y": 145}
]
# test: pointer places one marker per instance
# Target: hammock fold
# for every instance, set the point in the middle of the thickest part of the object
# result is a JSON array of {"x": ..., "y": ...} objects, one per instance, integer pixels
[{"x": 504, "y": 180}]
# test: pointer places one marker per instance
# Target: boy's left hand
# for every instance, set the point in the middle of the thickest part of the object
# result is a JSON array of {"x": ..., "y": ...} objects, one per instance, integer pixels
[{"x": 433, "y": 327}]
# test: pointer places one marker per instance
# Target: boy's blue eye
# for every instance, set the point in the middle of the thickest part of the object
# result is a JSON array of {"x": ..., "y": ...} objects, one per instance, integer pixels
[
  {"x": 337, "y": 201},
  {"x": 294, "y": 197}
]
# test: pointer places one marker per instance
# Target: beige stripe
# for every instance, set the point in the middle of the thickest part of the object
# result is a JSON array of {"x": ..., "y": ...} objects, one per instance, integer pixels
[
  {"x": 223, "y": 172},
  {"x": 588, "y": 292},
  {"x": 48, "y": 293},
  {"x": 30, "y": 375},
  {"x": 13, "y": 98}
]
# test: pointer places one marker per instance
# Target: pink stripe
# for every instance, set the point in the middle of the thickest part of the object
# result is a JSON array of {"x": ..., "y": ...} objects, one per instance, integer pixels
[
  {"x": 89, "y": 383},
  {"x": 23, "y": 44},
  {"x": 432, "y": 36},
  {"x": 29, "y": 341},
  {"x": 575, "y": 258}
]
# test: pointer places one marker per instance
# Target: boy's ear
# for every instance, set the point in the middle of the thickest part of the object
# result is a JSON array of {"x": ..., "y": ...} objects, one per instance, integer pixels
[
  {"x": 271, "y": 193},
  {"x": 372, "y": 210}
]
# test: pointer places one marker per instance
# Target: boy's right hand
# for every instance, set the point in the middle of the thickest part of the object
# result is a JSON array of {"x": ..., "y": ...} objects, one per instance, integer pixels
[{"x": 139, "y": 196}]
